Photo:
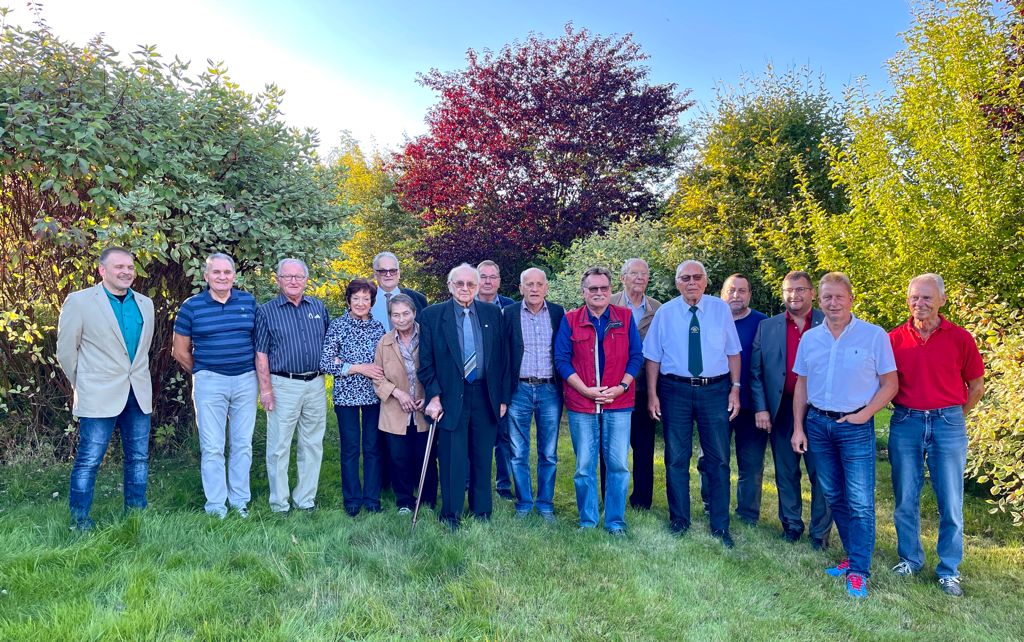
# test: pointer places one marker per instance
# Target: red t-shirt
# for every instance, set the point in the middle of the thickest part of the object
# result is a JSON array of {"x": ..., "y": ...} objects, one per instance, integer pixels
[
  {"x": 793, "y": 334},
  {"x": 934, "y": 373}
]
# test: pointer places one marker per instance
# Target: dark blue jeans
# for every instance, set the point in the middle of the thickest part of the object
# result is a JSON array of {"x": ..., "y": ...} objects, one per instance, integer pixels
[
  {"x": 94, "y": 437},
  {"x": 940, "y": 438},
  {"x": 845, "y": 457},
  {"x": 358, "y": 495},
  {"x": 503, "y": 456},
  {"x": 682, "y": 405},
  {"x": 751, "y": 444}
]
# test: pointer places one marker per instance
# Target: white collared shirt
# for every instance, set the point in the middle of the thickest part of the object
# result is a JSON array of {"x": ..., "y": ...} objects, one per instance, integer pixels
[
  {"x": 843, "y": 374},
  {"x": 668, "y": 342}
]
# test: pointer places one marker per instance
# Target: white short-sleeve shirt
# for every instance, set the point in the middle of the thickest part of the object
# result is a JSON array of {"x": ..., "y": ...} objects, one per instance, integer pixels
[{"x": 668, "y": 342}]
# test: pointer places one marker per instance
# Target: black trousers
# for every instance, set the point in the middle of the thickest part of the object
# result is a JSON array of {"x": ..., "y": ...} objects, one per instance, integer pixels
[
  {"x": 641, "y": 440},
  {"x": 406, "y": 453},
  {"x": 751, "y": 444},
  {"x": 787, "y": 479},
  {"x": 471, "y": 442}
]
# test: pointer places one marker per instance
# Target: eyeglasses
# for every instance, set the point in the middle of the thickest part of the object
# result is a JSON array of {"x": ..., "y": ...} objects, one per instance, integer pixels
[
  {"x": 463, "y": 284},
  {"x": 686, "y": 278},
  {"x": 799, "y": 290},
  {"x": 594, "y": 289},
  {"x": 387, "y": 272},
  {"x": 291, "y": 277}
]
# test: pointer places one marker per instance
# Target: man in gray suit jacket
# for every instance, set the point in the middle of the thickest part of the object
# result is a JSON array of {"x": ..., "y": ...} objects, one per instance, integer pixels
[
  {"x": 103, "y": 339},
  {"x": 772, "y": 384}
]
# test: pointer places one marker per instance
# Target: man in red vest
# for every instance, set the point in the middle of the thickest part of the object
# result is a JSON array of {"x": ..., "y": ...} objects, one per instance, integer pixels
[{"x": 598, "y": 353}]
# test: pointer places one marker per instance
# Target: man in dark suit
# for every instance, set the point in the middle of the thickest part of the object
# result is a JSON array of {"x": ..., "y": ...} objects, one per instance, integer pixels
[
  {"x": 772, "y": 384},
  {"x": 464, "y": 371},
  {"x": 490, "y": 282},
  {"x": 530, "y": 328}
]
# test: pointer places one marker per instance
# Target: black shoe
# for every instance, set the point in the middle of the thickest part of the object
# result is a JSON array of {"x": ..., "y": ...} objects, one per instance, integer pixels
[
  {"x": 351, "y": 512},
  {"x": 678, "y": 528},
  {"x": 819, "y": 544},
  {"x": 725, "y": 537},
  {"x": 373, "y": 509},
  {"x": 482, "y": 517},
  {"x": 307, "y": 509},
  {"x": 791, "y": 536},
  {"x": 640, "y": 506},
  {"x": 749, "y": 523},
  {"x": 450, "y": 522},
  {"x": 505, "y": 493}
]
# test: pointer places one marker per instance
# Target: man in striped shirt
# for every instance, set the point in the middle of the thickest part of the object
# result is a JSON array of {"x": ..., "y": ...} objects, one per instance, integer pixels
[
  {"x": 290, "y": 330},
  {"x": 213, "y": 340}
]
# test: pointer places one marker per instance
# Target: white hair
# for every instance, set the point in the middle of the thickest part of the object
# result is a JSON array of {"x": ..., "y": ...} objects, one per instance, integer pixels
[
  {"x": 684, "y": 264},
  {"x": 299, "y": 262},
  {"x": 219, "y": 256},
  {"x": 463, "y": 266},
  {"x": 522, "y": 275},
  {"x": 385, "y": 255},
  {"x": 629, "y": 262},
  {"x": 929, "y": 276}
]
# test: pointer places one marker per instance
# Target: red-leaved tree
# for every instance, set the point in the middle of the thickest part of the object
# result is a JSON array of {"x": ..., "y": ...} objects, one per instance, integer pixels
[{"x": 537, "y": 145}]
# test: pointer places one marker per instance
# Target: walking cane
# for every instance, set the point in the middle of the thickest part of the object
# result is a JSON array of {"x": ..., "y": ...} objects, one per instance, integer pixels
[{"x": 423, "y": 471}]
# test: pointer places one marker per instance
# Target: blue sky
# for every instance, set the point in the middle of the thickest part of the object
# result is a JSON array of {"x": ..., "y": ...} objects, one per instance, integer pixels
[{"x": 353, "y": 66}]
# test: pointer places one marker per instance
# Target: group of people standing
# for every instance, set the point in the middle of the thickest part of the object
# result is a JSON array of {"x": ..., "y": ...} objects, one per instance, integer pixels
[{"x": 486, "y": 369}]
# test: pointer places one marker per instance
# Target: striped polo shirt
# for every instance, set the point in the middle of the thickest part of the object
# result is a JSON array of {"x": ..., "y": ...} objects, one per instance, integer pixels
[
  {"x": 221, "y": 333},
  {"x": 292, "y": 336}
]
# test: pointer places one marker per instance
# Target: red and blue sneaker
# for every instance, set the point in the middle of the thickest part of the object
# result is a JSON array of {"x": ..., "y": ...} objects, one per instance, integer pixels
[
  {"x": 856, "y": 585},
  {"x": 839, "y": 569}
]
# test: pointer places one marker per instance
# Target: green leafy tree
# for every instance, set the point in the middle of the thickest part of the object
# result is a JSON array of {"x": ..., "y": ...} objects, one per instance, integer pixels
[
  {"x": 741, "y": 205},
  {"x": 95, "y": 152}
]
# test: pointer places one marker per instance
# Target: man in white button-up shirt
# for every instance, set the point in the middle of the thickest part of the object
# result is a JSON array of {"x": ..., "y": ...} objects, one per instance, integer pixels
[
  {"x": 845, "y": 374},
  {"x": 693, "y": 374}
]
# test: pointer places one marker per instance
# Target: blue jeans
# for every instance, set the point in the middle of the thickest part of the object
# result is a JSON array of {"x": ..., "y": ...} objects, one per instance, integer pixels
[
  {"x": 681, "y": 405},
  {"x": 353, "y": 434},
  {"x": 542, "y": 402},
  {"x": 940, "y": 438},
  {"x": 94, "y": 437},
  {"x": 845, "y": 457},
  {"x": 611, "y": 431}
]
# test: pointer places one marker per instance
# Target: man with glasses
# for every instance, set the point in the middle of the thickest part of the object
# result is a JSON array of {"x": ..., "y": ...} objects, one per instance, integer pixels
[
  {"x": 693, "y": 374},
  {"x": 490, "y": 281},
  {"x": 464, "y": 372},
  {"x": 388, "y": 275},
  {"x": 635, "y": 277},
  {"x": 845, "y": 374},
  {"x": 598, "y": 354},
  {"x": 290, "y": 330},
  {"x": 772, "y": 383}
]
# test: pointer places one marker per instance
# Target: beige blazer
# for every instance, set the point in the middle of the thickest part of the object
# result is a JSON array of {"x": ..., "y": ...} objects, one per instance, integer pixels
[
  {"x": 93, "y": 355},
  {"x": 645, "y": 321},
  {"x": 389, "y": 357}
]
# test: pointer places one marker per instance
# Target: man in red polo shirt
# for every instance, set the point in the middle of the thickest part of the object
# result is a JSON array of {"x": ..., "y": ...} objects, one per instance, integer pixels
[{"x": 941, "y": 379}]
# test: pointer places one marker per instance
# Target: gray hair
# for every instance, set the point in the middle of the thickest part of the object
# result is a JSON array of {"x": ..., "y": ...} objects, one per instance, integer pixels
[
  {"x": 688, "y": 262},
  {"x": 929, "y": 276},
  {"x": 299, "y": 262},
  {"x": 219, "y": 256},
  {"x": 404, "y": 299},
  {"x": 463, "y": 266},
  {"x": 595, "y": 270},
  {"x": 522, "y": 275},
  {"x": 385, "y": 255},
  {"x": 488, "y": 263},
  {"x": 629, "y": 262}
]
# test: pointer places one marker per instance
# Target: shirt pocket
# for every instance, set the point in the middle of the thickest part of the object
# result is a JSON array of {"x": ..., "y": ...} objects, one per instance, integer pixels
[{"x": 858, "y": 360}]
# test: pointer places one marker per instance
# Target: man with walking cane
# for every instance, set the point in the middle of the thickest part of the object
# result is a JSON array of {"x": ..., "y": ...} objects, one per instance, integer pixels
[{"x": 598, "y": 353}]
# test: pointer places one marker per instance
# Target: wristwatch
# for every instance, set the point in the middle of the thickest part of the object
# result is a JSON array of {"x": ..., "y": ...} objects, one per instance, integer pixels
[
  {"x": 736, "y": 384},
  {"x": 625, "y": 386}
]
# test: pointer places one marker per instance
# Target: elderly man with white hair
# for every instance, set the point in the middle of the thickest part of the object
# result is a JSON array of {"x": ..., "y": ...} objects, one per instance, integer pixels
[
  {"x": 941, "y": 377},
  {"x": 693, "y": 375}
]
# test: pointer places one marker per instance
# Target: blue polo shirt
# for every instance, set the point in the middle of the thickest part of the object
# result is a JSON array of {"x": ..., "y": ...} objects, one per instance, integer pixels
[
  {"x": 221, "y": 333},
  {"x": 129, "y": 320},
  {"x": 746, "y": 328}
]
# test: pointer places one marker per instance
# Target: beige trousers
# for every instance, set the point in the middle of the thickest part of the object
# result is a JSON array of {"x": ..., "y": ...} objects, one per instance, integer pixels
[{"x": 299, "y": 407}]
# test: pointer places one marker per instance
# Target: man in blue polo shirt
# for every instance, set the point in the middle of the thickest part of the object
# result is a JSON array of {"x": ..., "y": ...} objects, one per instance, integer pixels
[
  {"x": 845, "y": 374},
  {"x": 213, "y": 340}
]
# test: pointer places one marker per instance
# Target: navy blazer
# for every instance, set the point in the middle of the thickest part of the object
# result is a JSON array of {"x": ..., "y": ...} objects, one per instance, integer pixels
[
  {"x": 768, "y": 361},
  {"x": 418, "y": 299},
  {"x": 440, "y": 369},
  {"x": 514, "y": 338}
]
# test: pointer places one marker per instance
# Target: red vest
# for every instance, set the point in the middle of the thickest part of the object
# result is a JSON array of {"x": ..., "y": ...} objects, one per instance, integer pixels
[{"x": 616, "y": 356}]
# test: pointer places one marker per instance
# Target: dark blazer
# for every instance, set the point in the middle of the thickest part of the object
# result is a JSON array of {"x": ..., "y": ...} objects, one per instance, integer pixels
[
  {"x": 768, "y": 361},
  {"x": 514, "y": 338},
  {"x": 418, "y": 299},
  {"x": 440, "y": 369}
]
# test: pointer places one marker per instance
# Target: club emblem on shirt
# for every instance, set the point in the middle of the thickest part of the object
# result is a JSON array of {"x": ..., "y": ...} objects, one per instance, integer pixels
[{"x": 695, "y": 330}]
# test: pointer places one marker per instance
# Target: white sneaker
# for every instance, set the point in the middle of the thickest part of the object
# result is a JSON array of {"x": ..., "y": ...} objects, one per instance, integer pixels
[
  {"x": 242, "y": 512},
  {"x": 404, "y": 510},
  {"x": 903, "y": 569}
]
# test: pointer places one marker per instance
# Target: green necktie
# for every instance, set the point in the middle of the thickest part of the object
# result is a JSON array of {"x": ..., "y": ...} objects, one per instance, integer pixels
[{"x": 696, "y": 361}]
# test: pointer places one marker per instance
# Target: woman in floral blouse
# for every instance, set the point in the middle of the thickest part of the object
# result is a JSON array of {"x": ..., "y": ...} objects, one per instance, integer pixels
[{"x": 349, "y": 348}]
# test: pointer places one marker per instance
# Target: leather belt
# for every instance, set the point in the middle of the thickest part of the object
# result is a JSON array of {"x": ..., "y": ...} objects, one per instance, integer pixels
[
  {"x": 301, "y": 376},
  {"x": 833, "y": 414},
  {"x": 536, "y": 381},
  {"x": 695, "y": 381}
]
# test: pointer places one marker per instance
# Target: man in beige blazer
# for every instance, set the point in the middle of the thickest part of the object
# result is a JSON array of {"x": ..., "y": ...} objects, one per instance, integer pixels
[
  {"x": 103, "y": 339},
  {"x": 635, "y": 277}
]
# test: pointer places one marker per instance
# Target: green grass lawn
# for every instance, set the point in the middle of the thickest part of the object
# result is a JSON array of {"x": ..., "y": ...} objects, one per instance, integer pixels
[{"x": 174, "y": 573}]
